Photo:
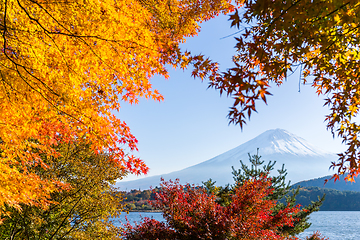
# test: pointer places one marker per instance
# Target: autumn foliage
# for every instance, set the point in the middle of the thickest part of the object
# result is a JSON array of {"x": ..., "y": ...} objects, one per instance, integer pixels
[
  {"x": 66, "y": 66},
  {"x": 191, "y": 213},
  {"x": 256, "y": 206}
]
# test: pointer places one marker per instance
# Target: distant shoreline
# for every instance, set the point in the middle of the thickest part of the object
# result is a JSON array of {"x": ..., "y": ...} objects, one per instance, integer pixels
[
  {"x": 144, "y": 211},
  {"x": 159, "y": 211}
]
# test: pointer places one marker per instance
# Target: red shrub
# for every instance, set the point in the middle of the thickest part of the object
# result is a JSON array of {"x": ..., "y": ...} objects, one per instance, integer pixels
[{"x": 192, "y": 213}]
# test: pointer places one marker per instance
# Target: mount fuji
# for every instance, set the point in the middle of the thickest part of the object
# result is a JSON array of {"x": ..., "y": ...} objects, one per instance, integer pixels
[{"x": 302, "y": 161}]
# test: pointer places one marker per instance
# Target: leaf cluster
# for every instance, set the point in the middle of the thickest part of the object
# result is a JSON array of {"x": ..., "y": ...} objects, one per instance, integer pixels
[
  {"x": 319, "y": 37},
  {"x": 65, "y": 68}
]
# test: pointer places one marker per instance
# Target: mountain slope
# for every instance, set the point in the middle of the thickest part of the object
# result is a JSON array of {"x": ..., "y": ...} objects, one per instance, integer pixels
[
  {"x": 302, "y": 160},
  {"x": 341, "y": 185}
]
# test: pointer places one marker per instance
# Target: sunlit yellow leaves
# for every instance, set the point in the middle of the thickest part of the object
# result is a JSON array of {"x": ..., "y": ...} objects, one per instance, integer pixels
[{"x": 65, "y": 68}]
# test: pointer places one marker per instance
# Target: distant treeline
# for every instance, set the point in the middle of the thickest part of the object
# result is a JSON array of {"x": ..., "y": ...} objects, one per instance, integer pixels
[
  {"x": 137, "y": 200},
  {"x": 335, "y": 200}
]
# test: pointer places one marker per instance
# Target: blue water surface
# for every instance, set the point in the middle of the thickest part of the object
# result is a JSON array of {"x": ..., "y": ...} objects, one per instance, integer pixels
[
  {"x": 137, "y": 217},
  {"x": 336, "y": 225}
]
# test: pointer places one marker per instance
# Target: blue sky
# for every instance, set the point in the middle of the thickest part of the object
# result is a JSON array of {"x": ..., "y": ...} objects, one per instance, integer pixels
[{"x": 190, "y": 125}]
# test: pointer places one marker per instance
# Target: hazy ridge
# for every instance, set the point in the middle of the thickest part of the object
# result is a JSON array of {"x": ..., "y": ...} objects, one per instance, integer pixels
[{"x": 302, "y": 160}]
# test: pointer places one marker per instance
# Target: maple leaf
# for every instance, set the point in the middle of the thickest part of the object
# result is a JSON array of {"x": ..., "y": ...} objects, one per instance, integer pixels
[{"x": 235, "y": 19}]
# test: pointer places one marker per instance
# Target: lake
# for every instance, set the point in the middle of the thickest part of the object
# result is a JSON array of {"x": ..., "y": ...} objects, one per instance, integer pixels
[{"x": 336, "y": 225}]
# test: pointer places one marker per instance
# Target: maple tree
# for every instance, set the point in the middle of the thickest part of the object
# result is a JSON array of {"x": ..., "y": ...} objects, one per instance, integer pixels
[
  {"x": 85, "y": 211},
  {"x": 318, "y": 37},
  {"x": 66, "y": 66}
]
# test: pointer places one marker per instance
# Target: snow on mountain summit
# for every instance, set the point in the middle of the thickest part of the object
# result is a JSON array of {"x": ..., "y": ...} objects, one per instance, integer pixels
[
  {"x": 272, "y": 142},
  {"x": 281, "y": 141}
]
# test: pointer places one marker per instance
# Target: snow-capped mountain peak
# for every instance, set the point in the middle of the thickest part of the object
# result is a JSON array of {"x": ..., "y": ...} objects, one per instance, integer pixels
[
  {"x": 272, "y": 142},
  {"x": 281, "y": 141}
]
